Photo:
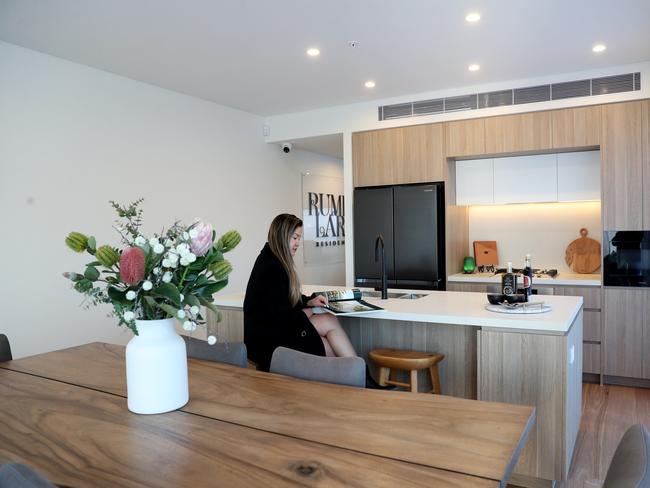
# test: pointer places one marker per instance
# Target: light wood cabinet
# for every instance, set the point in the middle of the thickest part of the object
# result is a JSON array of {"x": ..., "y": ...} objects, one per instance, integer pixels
[
  {"x": 624, "y": 318},
  {"x": 518, "y": 133},
  {"x": 645, "y": 118},
  {"x": 576, "y": 127},
  {"x": 471, "y": 287},
  {"x": 465, "y": 138},
  {"x": 591, "y": 358},
  {"x": 423, "y": 158},
  {"x": 621, "y": 160},
  {"x": 412, "y": 154},
  {"x": 374, "y": 155}
]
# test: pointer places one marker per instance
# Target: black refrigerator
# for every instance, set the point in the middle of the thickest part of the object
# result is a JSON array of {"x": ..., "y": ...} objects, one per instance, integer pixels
[{"x": 411, "y": 220}]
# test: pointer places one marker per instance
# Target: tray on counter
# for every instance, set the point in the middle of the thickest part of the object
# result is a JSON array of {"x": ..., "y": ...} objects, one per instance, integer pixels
[{"x": 518, "y": 308}]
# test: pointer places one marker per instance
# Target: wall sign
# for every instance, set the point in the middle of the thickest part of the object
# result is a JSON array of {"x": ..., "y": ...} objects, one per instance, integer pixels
[{"x": 323, "y": 217}]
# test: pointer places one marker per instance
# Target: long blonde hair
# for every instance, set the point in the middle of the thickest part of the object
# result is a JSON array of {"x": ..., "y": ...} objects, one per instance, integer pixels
[{"x": 280, "y": 232}]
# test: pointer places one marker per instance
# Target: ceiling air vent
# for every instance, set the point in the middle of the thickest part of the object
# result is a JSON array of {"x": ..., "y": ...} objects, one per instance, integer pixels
[
  {"x": 612, "y": 84},
  {"x": 571, "y": 89},
  {"x": 532, "y": 94},
  {"x": 464, "y": 102},
  {"x": 495, "y": 99},
  {"x": 398, "y": 110},
  {"x": 429, "y": 107}
]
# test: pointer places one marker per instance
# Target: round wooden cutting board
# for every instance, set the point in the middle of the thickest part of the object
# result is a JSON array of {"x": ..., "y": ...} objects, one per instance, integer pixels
[{"x": 583, "y": 254}]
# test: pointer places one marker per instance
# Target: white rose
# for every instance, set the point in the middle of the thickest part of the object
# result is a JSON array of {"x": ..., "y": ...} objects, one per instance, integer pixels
[
  {"x": 194, "y": 309},
  {"x": 147, "y": 285},
  {"x": 153, "y": 241},
  {"x": 167, "y": 277},
  {"x": 158, "y": 248},
  {"x": 172, "y": 257},
  {"x": 191, "y": 257},
  {"x": 180, "y": 314},
  {"x": 166, "y": 263},
  {"x": 156, "y": 271},
  {"x": 128, "y": 316},
  {"x": 193, "y": 233},
  {"x": 186, "y": 236},
  {"x": 184, "y": 261},
  {"x": 187, "y": 325},
  {"x": 130, "y": 295},
  {"x": 212, "y": 340},
  {"x": 140, "y": 241}
]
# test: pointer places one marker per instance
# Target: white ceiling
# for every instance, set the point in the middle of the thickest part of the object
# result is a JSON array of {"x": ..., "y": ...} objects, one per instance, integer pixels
[{"x": 250, "y": 54}]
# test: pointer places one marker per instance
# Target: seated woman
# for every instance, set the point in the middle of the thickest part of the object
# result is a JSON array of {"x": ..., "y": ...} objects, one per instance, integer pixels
[{"x": 275, "y": 312}]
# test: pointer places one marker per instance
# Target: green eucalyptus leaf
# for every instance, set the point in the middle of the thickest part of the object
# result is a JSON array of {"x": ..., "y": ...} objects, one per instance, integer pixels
[
  {"x": 169, "y": 291},
  {"x": 209, "y": 305},
  {"x": 94, "y": 263},
  {"x": 92, "y": 244},
  {"x": 191, "y": 300},
  {"x": 117, "y": 296},
  {"x": 91, "y": 273},
  {"x": 211, "y": 289}
]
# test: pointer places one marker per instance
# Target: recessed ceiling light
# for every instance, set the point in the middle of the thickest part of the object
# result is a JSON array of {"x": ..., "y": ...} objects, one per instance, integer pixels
[
  {"x": 313, "y": 51},
  {"x": 473, "y": 67},
  {"x": 473, "y": 17},
  {"x": 599, "y": 48},
  {"x": 369, "y": 84}
]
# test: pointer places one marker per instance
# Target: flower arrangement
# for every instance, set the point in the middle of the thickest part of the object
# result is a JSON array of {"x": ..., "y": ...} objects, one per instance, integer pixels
[{"x": 171, "y": 274}]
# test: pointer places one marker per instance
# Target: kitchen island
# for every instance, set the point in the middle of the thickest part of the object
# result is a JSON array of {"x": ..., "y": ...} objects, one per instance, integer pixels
[{"x": 531, "y": 359}]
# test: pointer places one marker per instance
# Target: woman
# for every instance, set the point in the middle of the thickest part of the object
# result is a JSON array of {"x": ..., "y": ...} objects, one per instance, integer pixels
[{"x": 275, "y": 312}]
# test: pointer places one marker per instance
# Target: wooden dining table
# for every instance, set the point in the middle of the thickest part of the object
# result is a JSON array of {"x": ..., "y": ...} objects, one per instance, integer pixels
[{"x": 64, "y": 413}]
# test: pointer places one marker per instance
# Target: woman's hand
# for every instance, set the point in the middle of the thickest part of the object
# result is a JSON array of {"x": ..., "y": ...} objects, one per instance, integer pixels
[{"x": 317, "y": 301}]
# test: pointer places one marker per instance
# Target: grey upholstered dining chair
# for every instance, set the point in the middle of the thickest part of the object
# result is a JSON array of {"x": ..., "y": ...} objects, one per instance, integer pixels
[
  {"x": 227, "y": 352},
  {"x": 341, "y": 371},
  {"x": 630, "y": 466},
  {"x": 5, "y": 349},
  {"x": 16, "y": 475}
]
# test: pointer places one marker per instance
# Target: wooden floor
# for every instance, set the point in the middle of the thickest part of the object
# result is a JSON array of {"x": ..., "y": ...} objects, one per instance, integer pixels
[{"x": 607, "y": 412}]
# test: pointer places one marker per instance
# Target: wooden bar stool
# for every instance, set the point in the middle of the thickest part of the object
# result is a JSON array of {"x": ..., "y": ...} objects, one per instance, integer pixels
[{"x": 413, "y": 361}]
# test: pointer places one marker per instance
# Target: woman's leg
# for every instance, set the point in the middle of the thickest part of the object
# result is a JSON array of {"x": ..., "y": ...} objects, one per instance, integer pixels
[
  {"x": 329, "y": 352},
  {"x": 329, "y": 328}
]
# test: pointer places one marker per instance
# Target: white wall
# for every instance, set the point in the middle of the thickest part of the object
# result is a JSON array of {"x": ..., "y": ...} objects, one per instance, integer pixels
[
  {"x": 543, "y": 230},
  {"x": 315, "y": 164},
  {"x": 72, "y": 138}
]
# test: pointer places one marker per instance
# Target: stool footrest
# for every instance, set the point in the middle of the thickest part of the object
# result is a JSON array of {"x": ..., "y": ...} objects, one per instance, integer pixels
[{"x": 397, "y": 383}]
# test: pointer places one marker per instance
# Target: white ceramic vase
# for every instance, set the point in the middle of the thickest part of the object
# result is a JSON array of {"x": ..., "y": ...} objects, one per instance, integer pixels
[{"x": 156, "y": 368}]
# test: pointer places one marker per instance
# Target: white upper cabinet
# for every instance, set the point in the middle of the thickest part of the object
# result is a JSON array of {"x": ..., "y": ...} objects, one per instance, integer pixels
[
  {"x": 474, "y": 182},
  {"x": 562, "y": 177},
  {"x": 525, "y": 179},
  {"x": 578, "y": 176}
]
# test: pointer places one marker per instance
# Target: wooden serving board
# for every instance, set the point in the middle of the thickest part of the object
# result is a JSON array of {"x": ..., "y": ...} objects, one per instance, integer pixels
[
  {"x": 583, "y": 254},
  {"x": 485, "y": 253}
]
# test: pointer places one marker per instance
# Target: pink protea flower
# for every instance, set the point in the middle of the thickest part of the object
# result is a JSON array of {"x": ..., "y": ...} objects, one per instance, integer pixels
[
  {"x": 201, "y": 242},
  {"x": 132, "y": 265}
]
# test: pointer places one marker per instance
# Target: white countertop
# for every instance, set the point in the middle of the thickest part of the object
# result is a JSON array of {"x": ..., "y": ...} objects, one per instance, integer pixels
[
  {"x": 450, "y": 307},
  {"x": 562, "y": 279}
]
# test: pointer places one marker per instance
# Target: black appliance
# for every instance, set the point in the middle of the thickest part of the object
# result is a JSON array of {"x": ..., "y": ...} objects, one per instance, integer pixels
[
  {"x": 626, "y": 258},
  {"x": 411, "y": 221}
]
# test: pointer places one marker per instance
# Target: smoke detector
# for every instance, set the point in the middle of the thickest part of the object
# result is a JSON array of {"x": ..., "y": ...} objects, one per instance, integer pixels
[{"x": 353, "y": 43}]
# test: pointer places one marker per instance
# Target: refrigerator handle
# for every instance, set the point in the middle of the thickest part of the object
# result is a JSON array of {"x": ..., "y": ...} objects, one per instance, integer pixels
[{"x": 384, "y": 285}]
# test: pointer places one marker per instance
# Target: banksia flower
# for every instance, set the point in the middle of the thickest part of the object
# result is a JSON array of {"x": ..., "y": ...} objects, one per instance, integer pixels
[
  {"x": 107, "y": 256},
  {"x": 220, "y": 270},
  {"x": 76, "y": 241},
  {"x": 230, "y": 240},
  {"x": 132, "y": 265}
]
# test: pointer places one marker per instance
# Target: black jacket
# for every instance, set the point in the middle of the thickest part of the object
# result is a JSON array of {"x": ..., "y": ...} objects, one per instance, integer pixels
[{"x": 269, "y": 319}]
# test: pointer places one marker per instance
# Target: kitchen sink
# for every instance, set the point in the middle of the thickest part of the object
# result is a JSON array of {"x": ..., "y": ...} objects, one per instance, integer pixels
[{"x": 393, "y": 294}]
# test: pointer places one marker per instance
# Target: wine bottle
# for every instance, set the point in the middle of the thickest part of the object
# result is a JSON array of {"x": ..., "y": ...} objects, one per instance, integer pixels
[
  {"x": 528, "y": 278},
  {"x": 509, "y": 282}
]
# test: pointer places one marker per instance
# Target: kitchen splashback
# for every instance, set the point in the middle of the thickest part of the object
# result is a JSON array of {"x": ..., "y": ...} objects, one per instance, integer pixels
[{"x": 543, "y": 230}]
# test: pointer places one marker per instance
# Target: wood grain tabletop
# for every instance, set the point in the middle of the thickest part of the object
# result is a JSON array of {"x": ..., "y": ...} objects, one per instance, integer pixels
[
  {"x": 79, "y": 437},
  {"x": 477, "y": 438}
]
